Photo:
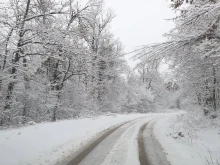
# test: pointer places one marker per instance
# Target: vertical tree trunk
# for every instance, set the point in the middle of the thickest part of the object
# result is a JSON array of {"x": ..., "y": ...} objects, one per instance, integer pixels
[
  {"x": 8, "y": 99},
  {"x": 25, "y": 112},
  {"x": 214, "y": 89},
  {"x": 199, "y": 98}
]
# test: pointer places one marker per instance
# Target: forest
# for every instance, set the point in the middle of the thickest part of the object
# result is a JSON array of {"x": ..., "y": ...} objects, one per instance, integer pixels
[
  {"x": 73, "y": 90},
  {"x": 192, "y": 52},
  {"x": 60, "y": 60}
]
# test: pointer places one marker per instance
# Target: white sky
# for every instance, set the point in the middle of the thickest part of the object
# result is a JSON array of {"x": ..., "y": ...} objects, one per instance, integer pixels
[{"x": 140, "y": 22}]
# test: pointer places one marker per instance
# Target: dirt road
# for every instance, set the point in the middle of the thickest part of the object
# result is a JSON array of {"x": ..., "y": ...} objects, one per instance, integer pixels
[{"x": 131, "y": 143}]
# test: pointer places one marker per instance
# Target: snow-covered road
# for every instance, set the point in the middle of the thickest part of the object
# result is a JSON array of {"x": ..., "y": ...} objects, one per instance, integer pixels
[
  {"x": 134, "y": 139},
  {"x": 54, "y": 143},
  {"x": 126, "y": 144},
  {"x": 106, "y": 140}
]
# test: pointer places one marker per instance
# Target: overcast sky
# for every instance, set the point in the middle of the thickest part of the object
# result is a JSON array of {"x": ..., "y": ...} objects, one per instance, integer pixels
[{"x": 140, "y": 22}]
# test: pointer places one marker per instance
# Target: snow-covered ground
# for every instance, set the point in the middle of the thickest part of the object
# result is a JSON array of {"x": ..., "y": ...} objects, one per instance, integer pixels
[
  {"x": 50, "y": 143},
  {"x": 200, "y": 144}
]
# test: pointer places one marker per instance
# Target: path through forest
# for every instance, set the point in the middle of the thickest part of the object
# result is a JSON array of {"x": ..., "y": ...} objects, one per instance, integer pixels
[{"x": 129, "y": 143}]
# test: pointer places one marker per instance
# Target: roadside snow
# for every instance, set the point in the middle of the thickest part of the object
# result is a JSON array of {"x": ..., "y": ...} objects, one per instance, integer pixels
[
  {"x": 198, "y": 146},
  {"x": 49, "y": 143}
]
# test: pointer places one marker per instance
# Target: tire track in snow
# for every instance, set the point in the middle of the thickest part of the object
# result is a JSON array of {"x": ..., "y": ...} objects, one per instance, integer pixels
[
  {"x": 141, "y": 147},
  {"x": 125, "y": 150},
  {"x": 150, "y": 150},
  {"x": 143, "y": 158},
  {"x": 90, "y": 147}
]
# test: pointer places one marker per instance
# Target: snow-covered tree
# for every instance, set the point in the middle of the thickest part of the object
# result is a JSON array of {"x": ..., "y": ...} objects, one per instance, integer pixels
[
  {"x": 57, "y": 60},
  {"x": 193, "y": 48}
]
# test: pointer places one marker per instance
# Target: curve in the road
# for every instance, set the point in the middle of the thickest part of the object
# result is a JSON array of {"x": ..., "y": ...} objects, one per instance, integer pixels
[{"x": 108, "y": 147}]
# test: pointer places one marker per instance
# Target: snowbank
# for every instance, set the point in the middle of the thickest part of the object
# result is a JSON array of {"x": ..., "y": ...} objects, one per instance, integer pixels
[
  {"x": 198, "y": 147},
  {"x": 49, "y": 143}
]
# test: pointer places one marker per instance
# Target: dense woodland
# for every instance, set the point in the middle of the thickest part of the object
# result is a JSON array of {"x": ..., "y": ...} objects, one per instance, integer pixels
[
  {"x": 59, "y": 60},
  {"x": 192, "y": 50}
]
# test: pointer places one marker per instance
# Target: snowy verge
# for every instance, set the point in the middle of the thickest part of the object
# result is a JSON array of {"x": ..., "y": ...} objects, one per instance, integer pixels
[
  {"x": 195, "y": 147},
  {"x": 49, "y": 143}
]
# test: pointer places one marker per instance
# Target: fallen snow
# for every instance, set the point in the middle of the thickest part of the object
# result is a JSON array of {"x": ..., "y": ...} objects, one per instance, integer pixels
[
  {"x": 49, "y": 143},
  {"x": 201, "y": 147},
  {"x": 125, "y": 150}
]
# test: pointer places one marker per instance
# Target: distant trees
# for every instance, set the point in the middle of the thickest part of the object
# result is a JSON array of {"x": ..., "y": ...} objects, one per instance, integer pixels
[
  {"x": 164, "y": 92},
  {"x": 137, "y": 96},
  {"x": 193, "y": 49}
]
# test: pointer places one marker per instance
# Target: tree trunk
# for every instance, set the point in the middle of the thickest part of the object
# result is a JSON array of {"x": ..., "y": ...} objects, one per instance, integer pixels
[
  {"x": 214, "y": 90},
  {"x": 8, "y": 99}
]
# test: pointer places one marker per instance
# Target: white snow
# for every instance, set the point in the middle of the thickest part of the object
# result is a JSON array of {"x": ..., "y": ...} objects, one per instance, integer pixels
[
  {"x": 50, "y": 143},
  {"x": 125, "y": 150},
  {"x": 200, "y": 147}
]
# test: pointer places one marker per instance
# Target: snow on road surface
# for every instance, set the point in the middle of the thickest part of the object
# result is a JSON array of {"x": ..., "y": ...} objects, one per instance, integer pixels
[
  {"x": 154, "y": 151},
  {"x": 50, "y": 143},
  {"x": 203, "y": 148},
  {"x": 125, "y": 150},
  {"x": 124, "y": 146},
  {"x": 55, "y": 143}
]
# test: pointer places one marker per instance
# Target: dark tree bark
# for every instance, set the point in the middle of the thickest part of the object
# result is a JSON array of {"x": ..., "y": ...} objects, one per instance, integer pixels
[{"x": 8, "y": 99}]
